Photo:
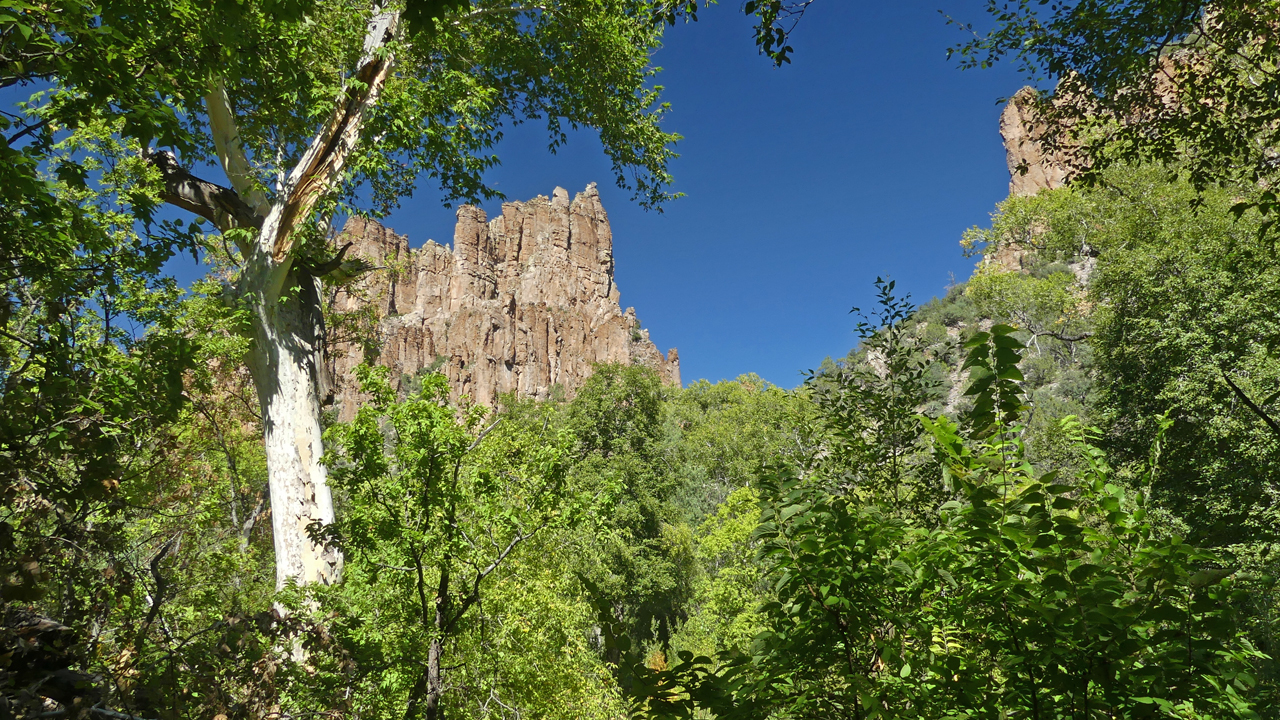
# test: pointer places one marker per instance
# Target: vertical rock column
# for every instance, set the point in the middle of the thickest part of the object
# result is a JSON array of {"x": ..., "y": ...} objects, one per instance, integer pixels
[{"x": 522, "y": 303}]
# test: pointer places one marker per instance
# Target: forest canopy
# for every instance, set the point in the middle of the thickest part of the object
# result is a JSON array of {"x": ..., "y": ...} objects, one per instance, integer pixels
[{"x": 1050, "y": 493}]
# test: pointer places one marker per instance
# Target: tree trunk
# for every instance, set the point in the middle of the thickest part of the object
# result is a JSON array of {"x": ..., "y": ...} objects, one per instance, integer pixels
[
  {"x": 424, "y": 698},
  {"x": 287, "y": 326},
  {"x": 435, "y": 683},
  {"x": 288, "y": 371},
  {"x": 435, "y": 680}
]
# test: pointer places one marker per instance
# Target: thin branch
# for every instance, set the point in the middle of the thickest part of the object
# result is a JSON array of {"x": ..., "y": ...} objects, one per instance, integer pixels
[
  {"x": 485, "y": 12},
  {"x": 474, "y": 595},
  {"x": 246, "y": 530},
  {"x": 100, "y": 712},
  {"x": 158, "y": 598},
  {"x": 483, "y": 434},
  {"x": 226, "y": 451},
  {"x": 1063, "y": 338},
  {"x": 27, "y": 131},
  {"x": 1275, "y": 427},
  {"x": 113, "y": 714},
  {"x": 15, "y": 338},
  {"x": 328, "y": 267}
]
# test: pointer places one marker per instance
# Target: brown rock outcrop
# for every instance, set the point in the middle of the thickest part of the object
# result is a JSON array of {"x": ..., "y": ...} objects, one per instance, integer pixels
[
  {"x": 1031, "y": 167},
  {"x": 522, "y": 303}
]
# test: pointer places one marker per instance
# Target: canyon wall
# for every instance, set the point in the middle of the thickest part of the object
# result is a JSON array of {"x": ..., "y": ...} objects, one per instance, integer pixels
[
  {"x": 1032, "y": 168},
  {"x": 522, "y": 303}
]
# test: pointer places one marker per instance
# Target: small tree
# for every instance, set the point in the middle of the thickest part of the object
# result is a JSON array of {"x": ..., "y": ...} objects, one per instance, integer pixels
[
  {"x": 869, "y": 404},
  {"x": 437, "y": 506}
]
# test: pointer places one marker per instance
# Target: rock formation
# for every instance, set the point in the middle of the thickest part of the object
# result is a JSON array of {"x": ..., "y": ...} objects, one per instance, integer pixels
[
  {"x": 522, "y": 303},
  {"x": 1031, "y": 167}
]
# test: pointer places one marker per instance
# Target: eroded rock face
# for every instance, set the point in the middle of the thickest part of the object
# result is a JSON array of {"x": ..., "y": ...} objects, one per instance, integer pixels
[
  {"x": 522, "y": 303},
  {"x": 1031, "y": 167},
  {"x": 1020, "y": 129},
  {"x": 1044, "y": 170}
]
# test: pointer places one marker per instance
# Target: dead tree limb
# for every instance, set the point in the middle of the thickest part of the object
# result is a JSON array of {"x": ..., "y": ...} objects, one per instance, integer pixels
[{"x": 1271, "y": 423}]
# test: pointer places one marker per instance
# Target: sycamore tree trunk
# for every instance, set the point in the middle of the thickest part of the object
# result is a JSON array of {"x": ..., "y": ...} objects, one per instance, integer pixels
[
  {"x": 286, "y": 363},
  {"x": 281, "y": 292}
]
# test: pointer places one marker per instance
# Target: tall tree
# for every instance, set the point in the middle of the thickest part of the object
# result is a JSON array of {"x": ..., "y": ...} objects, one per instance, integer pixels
[
  {"x": 307, "y": 105},
  {"x": 528, "y": 70}
]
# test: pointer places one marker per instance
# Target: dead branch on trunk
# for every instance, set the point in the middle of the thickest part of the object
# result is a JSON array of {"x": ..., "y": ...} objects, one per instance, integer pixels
[
  {"x": 219, "y": 205},
  {"x": 325, "y": 158}
]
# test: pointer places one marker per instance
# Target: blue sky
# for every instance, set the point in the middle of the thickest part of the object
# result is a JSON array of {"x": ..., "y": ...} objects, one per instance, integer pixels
[{"x": 867, "y": 156}]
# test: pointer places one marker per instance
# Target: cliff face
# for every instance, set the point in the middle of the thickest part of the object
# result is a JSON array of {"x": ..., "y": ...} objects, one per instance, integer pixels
[
  {"x": 1021, "y": 129},
  {"x": 1032, "y": 167},
  {"x": 524, "y": 302}
]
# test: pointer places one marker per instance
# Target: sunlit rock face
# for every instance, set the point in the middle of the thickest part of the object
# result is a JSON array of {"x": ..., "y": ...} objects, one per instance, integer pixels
[
  {"x": 522, "y": 303},
  {"x": 1032, "y": 167}
]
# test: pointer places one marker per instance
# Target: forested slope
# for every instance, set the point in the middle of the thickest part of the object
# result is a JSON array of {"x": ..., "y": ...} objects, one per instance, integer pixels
[{"x": 761, "y": 529}]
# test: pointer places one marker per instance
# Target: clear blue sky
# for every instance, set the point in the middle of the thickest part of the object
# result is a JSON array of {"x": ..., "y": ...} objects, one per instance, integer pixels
[{"x": 867, "y": 156}]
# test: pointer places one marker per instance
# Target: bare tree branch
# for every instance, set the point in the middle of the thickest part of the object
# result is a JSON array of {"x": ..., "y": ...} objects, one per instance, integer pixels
[
  {"x": 322, "y": 164},
  {"x": 226, "y": 140},
  {"x": 1064, "y": 338},
  {"x": 219, "y": 205},
  {"x": 483, "y": 433},
  {"x": 1275, "y": 427},
  {"x": 246, "y": 531},
  {"x": 158, "y": 599}
]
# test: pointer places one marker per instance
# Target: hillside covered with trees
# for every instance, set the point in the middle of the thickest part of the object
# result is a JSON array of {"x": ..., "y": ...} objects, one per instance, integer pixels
[{"x": 1050, "y": 492}]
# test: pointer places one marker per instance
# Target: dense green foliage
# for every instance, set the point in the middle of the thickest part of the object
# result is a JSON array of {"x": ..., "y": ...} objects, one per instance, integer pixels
[
  {"x": 1179, "y": 308},
  {"x": 1049, "y": 494},
  {"x": 927, "y": 528},
  {"x": 134, "y": 494},
  {"x": 1038, "y": 594}
]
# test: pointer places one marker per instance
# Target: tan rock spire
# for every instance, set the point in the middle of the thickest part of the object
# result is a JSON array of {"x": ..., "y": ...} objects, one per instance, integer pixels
[
  {"x": 525, "y": 302},
  {"x": 1031, "y": 167}
]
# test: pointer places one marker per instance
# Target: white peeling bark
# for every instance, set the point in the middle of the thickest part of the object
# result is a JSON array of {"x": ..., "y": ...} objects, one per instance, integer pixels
[
  {"x": 287, "y": 371},
  {"x": 286, "y": 315},
  {"x": 321, "y": 165},
  {"x": 231, "y": 154},
  {"x": 287, "y": 354}
]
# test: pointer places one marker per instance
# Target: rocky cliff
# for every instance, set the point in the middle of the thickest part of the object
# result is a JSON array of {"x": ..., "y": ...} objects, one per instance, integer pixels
[
  {"x": 522, "y": 303},
  {"x": 1032, "y": 168}
]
